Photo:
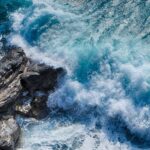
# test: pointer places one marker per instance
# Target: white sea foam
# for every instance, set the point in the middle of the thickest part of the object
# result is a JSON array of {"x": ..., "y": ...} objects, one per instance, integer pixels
[{"x": 108, "y": 71}]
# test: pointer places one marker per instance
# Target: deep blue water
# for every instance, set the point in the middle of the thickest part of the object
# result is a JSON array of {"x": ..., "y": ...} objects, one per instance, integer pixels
[{"x": 104, "y": 101}]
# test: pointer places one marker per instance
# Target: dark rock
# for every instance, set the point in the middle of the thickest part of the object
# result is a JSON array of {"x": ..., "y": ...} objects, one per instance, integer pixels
[
  {"x": 40, "y": 77},
  {"x": 9, "y": 133},
  {"x": 16, "y": 68},
  {"x": 18, "y": 74},
  {"x": 37, "y": 108},
  {"x": 23, "y": 110},
  {"x": 11, "y": 67}
]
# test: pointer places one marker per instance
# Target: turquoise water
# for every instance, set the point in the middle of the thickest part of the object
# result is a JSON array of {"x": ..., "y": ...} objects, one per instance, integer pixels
[{"x": 103, "y": 103}]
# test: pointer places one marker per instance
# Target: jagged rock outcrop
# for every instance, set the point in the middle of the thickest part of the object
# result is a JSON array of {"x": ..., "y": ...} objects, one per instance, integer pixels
[
  {"x": 19, "y": 75},
  {"x": 37, "y": 108},
  {"x": 38, "y": 80},
  {"x": 9, "y": 133},
  {"x": 11, "y": 67},
  {"x": 40, "y": 77}
]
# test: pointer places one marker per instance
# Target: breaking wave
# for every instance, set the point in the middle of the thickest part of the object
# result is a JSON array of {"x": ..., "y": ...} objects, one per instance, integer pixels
[{"x": 103, "y": 103}]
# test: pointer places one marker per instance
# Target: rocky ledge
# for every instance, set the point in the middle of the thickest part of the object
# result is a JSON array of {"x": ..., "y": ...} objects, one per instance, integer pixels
[{"x": 24, "y": 89}]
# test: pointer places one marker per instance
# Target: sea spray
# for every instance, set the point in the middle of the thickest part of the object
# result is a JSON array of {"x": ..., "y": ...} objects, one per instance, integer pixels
[{"x": 103, "y": 103}]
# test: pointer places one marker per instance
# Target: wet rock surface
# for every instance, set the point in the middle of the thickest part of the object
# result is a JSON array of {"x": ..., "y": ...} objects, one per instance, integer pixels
[
  {"x": 19, "y": 75},
  {"x": 9, "y": 133},
  {"x": 11, "y": 67},
  {"x": 40, "y": 77},
  {"x": 36, "y": 108}
]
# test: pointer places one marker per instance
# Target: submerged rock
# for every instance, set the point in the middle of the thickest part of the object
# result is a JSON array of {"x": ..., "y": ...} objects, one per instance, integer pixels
[{"x": 9, "y": 133}]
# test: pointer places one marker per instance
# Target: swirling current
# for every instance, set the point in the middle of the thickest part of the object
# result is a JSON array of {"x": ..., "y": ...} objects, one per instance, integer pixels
[{"x": 104, "y": 101}]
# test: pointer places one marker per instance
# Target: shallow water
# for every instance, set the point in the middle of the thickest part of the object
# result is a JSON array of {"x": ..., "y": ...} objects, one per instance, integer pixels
[{"x": 103, "y": 103}]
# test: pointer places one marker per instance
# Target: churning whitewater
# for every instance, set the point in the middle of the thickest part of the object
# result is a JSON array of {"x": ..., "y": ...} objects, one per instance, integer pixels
[{"x": 104, "y": 101}]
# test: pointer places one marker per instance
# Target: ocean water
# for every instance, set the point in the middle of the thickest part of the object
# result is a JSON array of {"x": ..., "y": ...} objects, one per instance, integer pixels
[{"x": 104, "y": 101}]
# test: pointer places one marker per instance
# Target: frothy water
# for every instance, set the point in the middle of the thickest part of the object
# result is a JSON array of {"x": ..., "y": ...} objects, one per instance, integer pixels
[{"x": 103, "y": 103}]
